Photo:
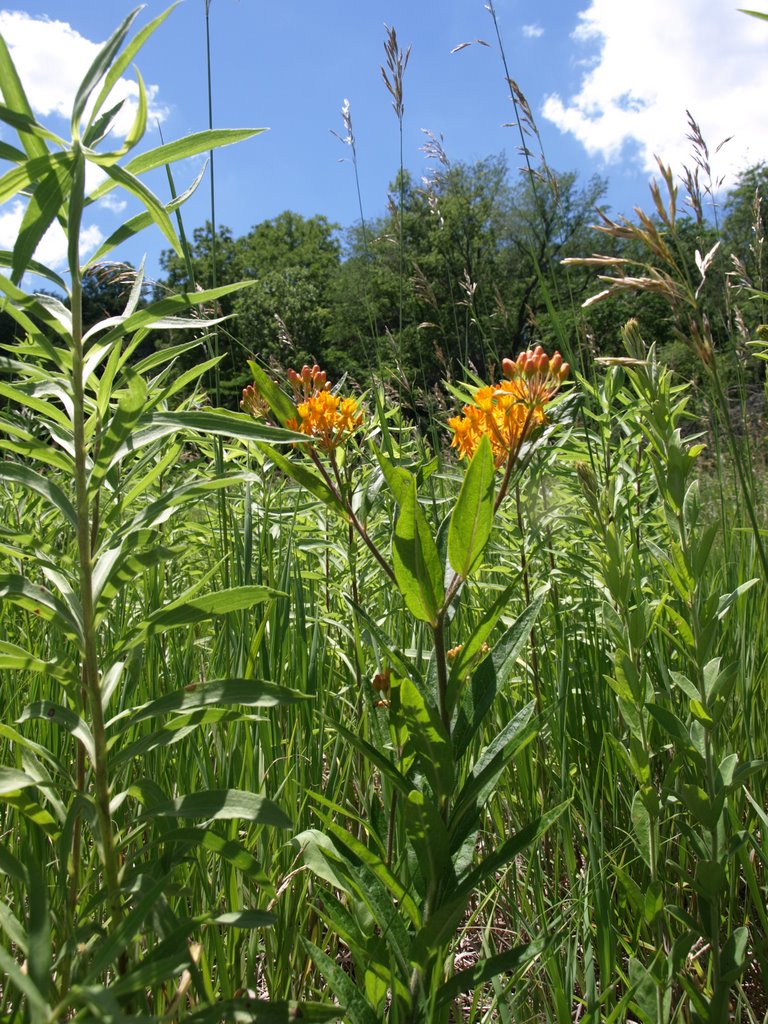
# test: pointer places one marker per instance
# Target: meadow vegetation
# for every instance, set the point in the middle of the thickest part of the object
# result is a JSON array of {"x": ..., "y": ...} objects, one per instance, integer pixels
[{"x": 423, "y": 681}]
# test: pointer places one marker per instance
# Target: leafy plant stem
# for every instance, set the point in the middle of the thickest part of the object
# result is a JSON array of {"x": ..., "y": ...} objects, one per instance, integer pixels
[
  {"x": 740, "y": 468},
  {"x": 89, "y": 650}
]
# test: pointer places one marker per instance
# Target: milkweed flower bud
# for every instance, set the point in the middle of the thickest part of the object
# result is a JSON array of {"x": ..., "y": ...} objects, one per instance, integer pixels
[{"x": 509, "y": 411}]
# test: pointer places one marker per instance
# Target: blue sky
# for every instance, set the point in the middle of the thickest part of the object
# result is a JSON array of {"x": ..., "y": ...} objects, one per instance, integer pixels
[{"x": 608, "y": 82}]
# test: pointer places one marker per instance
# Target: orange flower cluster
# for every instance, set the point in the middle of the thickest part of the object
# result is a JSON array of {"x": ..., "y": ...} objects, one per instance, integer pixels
[
  {"x": 320, "y": 414},
  {"x": 508, "y": 412},
  {"x": 328, "y": 418}
]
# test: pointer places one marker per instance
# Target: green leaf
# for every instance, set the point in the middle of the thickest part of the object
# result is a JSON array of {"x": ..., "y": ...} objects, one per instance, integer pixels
[
  {"x": 373, "y": 864},
  {"x": 33, "y": 267},
  {"x": 228, "y": 849},
  {"x": 642, "y": 826},
  {"x": 486, "y": 772},
  {"x": 29, "y": 173},
  {"x": 670, "y": 723},
  {"x": 130, "y": 406},
  {"x": 223, "y": 805},
  {"x": 139, "y": 222},
  {"x": 121, "y": 61},
  {"x": 705, "y": 810},
  {"x": 199, "y": 609},
  {"x": 56, "y": 714},
  {"x": 11, "y": 781},
  {"x": 14, "y": 657},
  {"x": 398, "y": 479},
  {"x": 357, "y": 1009},
  {"x": 40, "y": 601},
  {"x": 429, "y": 739},
  {"x": 26, "y": 477},
  {"x": 45, "y": 203},
  {"x": 17, "y": 102},
  {"x": 644, "y": 987},
  {"x": 442, "y": 925},
  {"x": 253, "y": 693},
  {"x": 491, "y": 675},
  {"x": 389, "y": 770},
  {"x": 734, "y": 956},
  {"x": 281, "y": 406},
  {"x": 323, "y": 859},
  {"x": 509, "y": 962},
  {"x": 307, "y": 478},
  {"x": 40, "y": 953},
  {"x": 472, "y": 516},
  {"x": 428, "y": 835},
  {"x": 39, "y": 1009},
  {"x": 472, "y": 648},
  {"x": 99, "y": 69},
  {"x": 146, "y": 197},
  {"x": 179, "y": 149},
  {"x": 262, "y": 1011},
  {"x": 416, "y": 562}
]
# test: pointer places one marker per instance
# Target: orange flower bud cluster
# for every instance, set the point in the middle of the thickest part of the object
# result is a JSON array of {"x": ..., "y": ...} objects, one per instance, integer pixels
[
  {"x": 508, "y": 412},
  {"x": 308, "y": 382},
  {"x": 254, "y": 403},
  {"x": 328, "y": 418},
  {"x": 381, "y": 681}
]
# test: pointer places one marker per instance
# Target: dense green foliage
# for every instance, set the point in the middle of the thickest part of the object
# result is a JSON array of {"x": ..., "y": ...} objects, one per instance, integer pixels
[{"x": 304, "y": 718}]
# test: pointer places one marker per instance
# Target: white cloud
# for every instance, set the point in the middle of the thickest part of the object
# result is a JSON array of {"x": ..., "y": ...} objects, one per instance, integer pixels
[
  {"x": 51, "y": 59},
  {"x": 112, "y": 203},
  {"x": 52, "y": 249},
  {"x": 652, "y": 61},
  {"x": 533, "y": 31}
]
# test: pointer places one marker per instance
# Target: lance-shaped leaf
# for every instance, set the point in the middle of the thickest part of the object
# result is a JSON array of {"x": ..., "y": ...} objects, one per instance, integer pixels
[
  {"x": 120, "y": 61},
  {"x": 398, "y": 479},
  {"x": 179, "y": 149},
  {"x": 442, "y": 925},
  {"x": 26, "y": 477},
  {"x": 429, "y": 738},
  {"x": 307, "y": 478},
  {"x": 31, "y": 172},
  {"x": 199, "y": 609},
  {"x": 471, "y": 652},
  {"x": 59, "y": 715},
  {"x": 139, "y": 222},
  {"x": 17, "y": 102},
  {"x": 99, "y": 69},
  {"x": 485, "y": 774},
  {"x": 252, "y": 693},
  {"x": 223, "y": 805},
  {"x": 416, "y": 562},
  {"x": 472, "y": 516},
  {"x": 14, "y": 657},
  {"x": 222, "y": 423},
  {"x": 161, "y": 311},
  {"x": 146, "y": 197},
  {"x": 45, "y": 203},
  {"x": 279, "y": 403},
  {"x": 428, "y": 835},
  {"x": 491, "y": 675},
  {"x": 129, "y": 408},
  {"x": 509, "y": 962},
  {"x": 40, "y": 601}
]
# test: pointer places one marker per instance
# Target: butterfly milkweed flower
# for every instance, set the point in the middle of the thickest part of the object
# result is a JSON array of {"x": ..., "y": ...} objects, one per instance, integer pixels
[
  {"x": 509, "y": 411},
  {"x": 327, "y": 417}
]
